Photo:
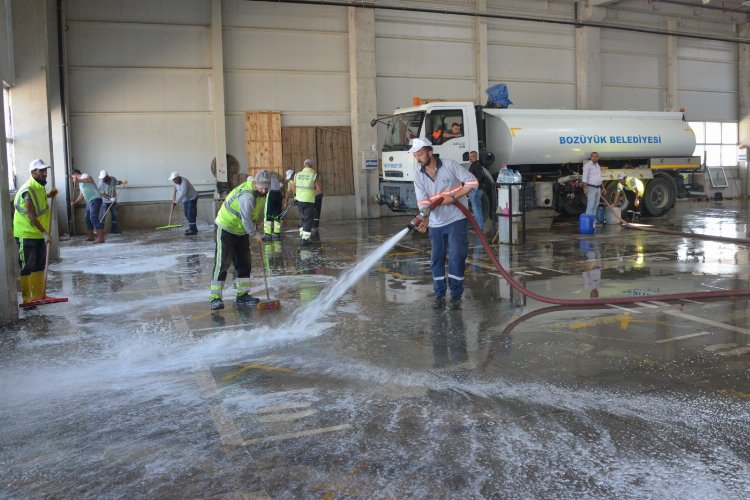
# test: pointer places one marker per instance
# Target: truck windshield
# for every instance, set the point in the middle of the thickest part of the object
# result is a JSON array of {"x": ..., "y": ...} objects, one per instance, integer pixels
[{"x": 401, "y": 129}]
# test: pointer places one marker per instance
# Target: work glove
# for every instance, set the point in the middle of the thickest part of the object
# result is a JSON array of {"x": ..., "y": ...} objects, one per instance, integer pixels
[
  {"x": 53, "y": 192},
  {"x": 47, "y": 238},
  {"x": 123, "y": 182},
  {"x": 113, "y": 199}
]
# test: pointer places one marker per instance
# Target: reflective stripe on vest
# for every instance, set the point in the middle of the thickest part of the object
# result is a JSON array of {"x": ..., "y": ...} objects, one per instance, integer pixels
[
  {"x": 22, "y": 227},
  {"x": 305, "y": 183}
]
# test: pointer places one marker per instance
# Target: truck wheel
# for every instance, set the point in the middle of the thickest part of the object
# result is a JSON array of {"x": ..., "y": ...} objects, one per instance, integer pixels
[
  {"x": 659, "y": 197},
  {"x": 564, "y": 204},
  {"x": 624, "y": 202}
]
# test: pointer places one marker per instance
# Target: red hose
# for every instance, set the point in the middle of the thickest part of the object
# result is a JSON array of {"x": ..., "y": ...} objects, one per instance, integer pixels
[{"x": 591, "y": 302}]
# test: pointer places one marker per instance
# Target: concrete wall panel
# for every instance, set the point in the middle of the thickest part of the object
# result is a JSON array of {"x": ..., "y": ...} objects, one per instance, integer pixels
[
  {"x": 709, "y": 106},
  {"x": 550, "y": 65},
  {"x": 136, "y": 90},
  {"x": 129, "y": 45},
  {"x": 270, "y": 15},
  {"x": 144, "y": 149},
  {"x": 293, "y": 92},
  {"x": 634, "y": 98},
  {"x": 535, "y": 95},
  {"x": 635, "y": 70},
  {"x": 197, "y": 12},
  {"x": 284, "y": 50}
]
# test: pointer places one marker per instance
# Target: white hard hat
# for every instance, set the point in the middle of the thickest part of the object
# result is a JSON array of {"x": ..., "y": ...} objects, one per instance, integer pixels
[
  {"x": 38, "y": 164},
  {"x": 103, "y": 174},
  {"x": 289, "y": 174},
  {"x": 418, "y": 144},
  {"x": 620, "y": 176},
  {"x": 173, "y": 175}
]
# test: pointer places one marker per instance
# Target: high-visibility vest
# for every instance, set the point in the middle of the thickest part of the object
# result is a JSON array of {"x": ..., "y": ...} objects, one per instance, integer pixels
[
  {"x": 305, "y": 184},
  {"x": 229, "y": 216},
  {"x": 635, "y": 184},
  {"x": 22, "y": 227}
]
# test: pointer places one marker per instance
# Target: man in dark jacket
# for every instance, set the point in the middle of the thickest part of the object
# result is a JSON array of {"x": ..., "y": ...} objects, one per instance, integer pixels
[{"x": 475, "y": 197}]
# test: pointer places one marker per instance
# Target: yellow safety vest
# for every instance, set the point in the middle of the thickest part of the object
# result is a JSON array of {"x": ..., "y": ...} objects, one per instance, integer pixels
[
  {"x": 635, "y": 184},
  {"x": 22, "y": 227},
  {"x": 229, "y": 216},
  {"x": 305, "y": 183}
]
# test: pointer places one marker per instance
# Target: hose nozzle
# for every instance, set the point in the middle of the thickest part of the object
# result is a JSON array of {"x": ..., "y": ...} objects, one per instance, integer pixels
[{"x": 416, "y": 221}]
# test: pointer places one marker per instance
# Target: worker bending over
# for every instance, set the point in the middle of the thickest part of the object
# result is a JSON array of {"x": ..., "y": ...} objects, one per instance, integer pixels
[
  {"x": 629, "y": 183},
  {"x": 235, "y": 224}
]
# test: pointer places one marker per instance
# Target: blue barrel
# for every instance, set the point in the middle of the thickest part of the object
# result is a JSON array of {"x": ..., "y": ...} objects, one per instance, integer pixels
[
  {"x": 586, "y": 224},
  {"x": 600, "y": 215}
]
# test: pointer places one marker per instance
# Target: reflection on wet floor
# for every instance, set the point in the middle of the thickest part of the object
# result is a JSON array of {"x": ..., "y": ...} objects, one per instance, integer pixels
[{"x": 136, "y": 388}]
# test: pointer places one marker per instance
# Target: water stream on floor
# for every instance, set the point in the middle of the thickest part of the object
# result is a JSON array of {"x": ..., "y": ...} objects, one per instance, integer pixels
[{"x": 303, "y": 318}]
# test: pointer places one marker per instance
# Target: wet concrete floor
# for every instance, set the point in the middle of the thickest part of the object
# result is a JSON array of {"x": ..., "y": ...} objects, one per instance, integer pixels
[{"x": 134, "y": 388}]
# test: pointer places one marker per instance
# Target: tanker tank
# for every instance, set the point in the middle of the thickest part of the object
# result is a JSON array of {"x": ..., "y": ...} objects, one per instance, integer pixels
[{"x": 554, "y": 137}]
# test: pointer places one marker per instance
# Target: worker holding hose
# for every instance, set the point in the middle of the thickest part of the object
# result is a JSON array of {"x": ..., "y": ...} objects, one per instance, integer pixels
[{"x": 446, "y": 179}]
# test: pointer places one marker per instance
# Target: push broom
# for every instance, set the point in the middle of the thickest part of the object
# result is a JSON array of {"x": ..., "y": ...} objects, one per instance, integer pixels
[
  {"x": 268, "y": 304},
  {"x": 169, "y": 223}
]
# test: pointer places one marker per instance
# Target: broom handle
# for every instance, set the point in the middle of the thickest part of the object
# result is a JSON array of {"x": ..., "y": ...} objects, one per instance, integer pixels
[
  {"x": 46, "y": 253},
  {"x": 46, "y": 265},
  {"x": 263, "y": 265},
  {"x": 110, "y": 207},
  {"x": 171, "y": 209}
]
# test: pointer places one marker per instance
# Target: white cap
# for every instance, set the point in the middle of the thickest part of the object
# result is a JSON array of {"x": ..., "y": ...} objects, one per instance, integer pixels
[
  {"x": 620, "y": 176},
  {"x": 85, "y": 176},
  {"x": 103, "y": 174},
  {"x": 37, "y": 164},
  {"x": 308, "y": 163},
  {"x": 418, "y": 144},
  {"x": 289, "y": 174},
  {"x": 173, "y": 175}
]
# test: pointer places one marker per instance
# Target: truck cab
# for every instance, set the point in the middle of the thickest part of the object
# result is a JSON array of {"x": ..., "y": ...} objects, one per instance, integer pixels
[{"x": 451, "y": 127}]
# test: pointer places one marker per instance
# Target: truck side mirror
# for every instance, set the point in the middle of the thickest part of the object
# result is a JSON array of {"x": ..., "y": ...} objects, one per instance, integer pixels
[{"x": 465, "y": 157}]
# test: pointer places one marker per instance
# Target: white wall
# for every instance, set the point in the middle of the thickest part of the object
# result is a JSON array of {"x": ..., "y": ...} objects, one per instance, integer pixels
[{"x": 139, "y": 76}]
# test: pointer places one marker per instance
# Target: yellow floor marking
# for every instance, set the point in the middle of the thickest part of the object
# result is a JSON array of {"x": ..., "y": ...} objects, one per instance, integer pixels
[
  {"x": 292, "y": 435},
  {"x": 624, "y": 321},
  {"x": 698, "y": 319},
  {"x": 734, "y": 393},
  {"x": 254, "y": 367},
  {"x": 683, "y": 337},
  {"x": 285, "y": 417},
  {"x": 282, "y": 407}
]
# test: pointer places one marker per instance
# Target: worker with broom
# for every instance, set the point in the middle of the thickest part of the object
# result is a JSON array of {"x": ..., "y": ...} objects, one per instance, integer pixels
[
  {"x": 108, "y": 189},
  {"x": 185, "y": 193},
  {"x": 235, "y": 225},
  {"x": 31, "y": 226}
]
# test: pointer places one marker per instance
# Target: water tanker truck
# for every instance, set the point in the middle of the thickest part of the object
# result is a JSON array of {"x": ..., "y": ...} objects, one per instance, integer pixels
[{"x": 547, "y": 147}]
